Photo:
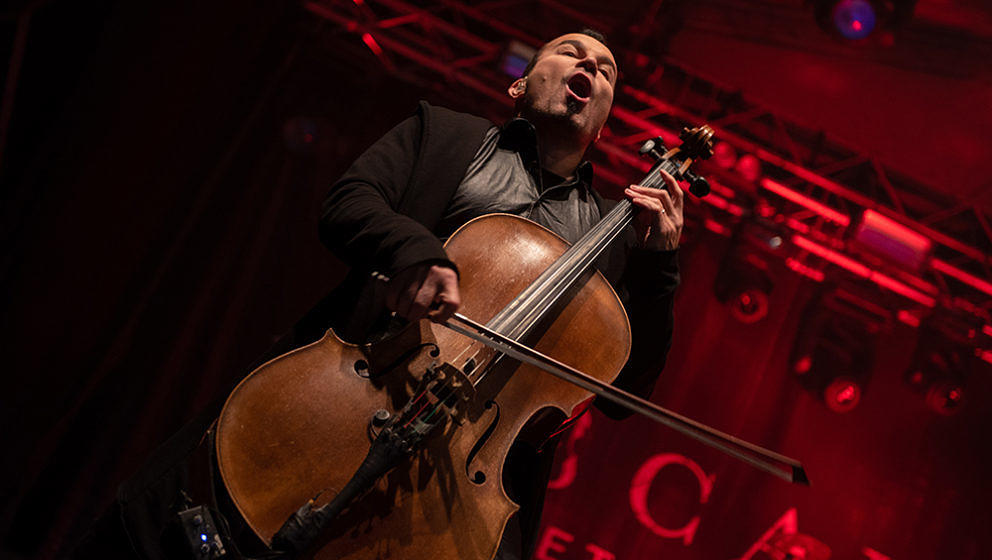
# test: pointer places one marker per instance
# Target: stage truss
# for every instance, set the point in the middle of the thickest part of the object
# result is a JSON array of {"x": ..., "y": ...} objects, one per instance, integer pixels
[{"x": 806, "y": 193}]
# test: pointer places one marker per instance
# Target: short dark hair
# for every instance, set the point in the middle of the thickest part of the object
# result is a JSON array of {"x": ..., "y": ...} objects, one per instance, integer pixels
[{"x": 597, "y": 35}]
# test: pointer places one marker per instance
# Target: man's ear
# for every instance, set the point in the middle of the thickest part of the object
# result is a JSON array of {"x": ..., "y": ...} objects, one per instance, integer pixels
[{"x": 517, "y": 88}]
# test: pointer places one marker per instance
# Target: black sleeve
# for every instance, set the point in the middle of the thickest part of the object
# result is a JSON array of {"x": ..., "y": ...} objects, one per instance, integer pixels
[
  {"x": 359, "y": 221},
  {"x": 647, "y": 290}
]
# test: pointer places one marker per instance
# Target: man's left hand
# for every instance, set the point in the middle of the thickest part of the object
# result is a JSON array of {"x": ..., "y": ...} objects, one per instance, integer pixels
[{"x": 659, "y": 221}]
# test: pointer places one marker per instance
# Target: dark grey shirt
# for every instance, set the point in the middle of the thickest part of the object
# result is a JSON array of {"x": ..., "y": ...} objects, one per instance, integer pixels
[{"x": 506, "y": 176}]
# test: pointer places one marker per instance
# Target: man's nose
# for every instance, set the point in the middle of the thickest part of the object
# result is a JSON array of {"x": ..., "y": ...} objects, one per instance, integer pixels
[{"x": 589, "y": 65}]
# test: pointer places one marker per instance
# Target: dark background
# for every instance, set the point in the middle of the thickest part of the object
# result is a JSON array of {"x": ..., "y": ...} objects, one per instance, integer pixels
[{"x": 158, "y": 233}]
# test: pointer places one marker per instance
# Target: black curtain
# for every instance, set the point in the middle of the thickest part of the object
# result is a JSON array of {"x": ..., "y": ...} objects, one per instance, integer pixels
[{"x": 161, "y": 183}]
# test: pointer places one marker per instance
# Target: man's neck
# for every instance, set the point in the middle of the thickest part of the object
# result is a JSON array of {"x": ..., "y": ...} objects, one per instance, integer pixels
[
  {"x": 558, "y": 159},
  {"x": 560, "y": 150}
]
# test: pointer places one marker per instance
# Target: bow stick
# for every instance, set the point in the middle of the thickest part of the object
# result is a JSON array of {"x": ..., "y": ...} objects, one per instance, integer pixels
[{"x": 763, "y": 459}]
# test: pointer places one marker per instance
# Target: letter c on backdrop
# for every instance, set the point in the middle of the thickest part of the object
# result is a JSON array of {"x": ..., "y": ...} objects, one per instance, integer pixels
[{"x": 640, "y": 485}]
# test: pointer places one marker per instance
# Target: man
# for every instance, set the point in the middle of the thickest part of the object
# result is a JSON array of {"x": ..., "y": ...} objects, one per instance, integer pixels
[
  {"x": 438, "y": 170},
  {"x": 389, "y": 213}
]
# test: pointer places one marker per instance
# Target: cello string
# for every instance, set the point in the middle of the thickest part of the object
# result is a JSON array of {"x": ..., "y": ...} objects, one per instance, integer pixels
[
  {"x": 563, "y": 273},
  {"x": 530, "y": 306},
  {"x": 570, "y": 271}
]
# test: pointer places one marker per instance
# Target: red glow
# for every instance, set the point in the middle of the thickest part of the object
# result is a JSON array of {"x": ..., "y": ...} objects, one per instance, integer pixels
[
  {"x": 797, "y": 225},
  {"x": 960, "y": 275},
  {"x": 846, "y": 394},
  {"x": 945, "y": 398},
  {"x": 766, "y": 210},
  {"x": 987, "y": 329},
  {"x": 902, "y": 289},
  {"x": 985, "y": 355},
  {"x": 716, "y": 227},
  {"x": 371, "y": 43},
  {"x": 832, "y": 256},
  {"x": 863, "y": 271},
  {"x": 724, "y": 155},
  {"x": 896, "y": 230},
  {"x": 785, "y": 192},
  {"x": 893, "y": 239},
  {"x": 806, "y": 271},
  {"x": 856, "y": 25},
  {"x": 803, "y": 364},
  {"x": 908, "y": 318},
  {"x": 749, "y": 167},
  {"x": 842, "y": 394},
  {"x": 750, "y": 306},
  {"x": 722, "y": 204},
  {"x": 721, "y": 190}
]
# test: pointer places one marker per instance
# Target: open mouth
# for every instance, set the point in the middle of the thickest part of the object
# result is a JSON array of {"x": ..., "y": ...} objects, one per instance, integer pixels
[{"x": 580, "y": 86}]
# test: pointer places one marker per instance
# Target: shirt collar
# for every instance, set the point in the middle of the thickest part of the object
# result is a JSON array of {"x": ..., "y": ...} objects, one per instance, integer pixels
[{"x": 519, "y": 135}]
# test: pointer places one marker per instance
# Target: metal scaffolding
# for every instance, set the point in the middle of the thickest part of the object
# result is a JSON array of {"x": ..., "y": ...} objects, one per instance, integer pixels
[{"x": 799, "y": 186}]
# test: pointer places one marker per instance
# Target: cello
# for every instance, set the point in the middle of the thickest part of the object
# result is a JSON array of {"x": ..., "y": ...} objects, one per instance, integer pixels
[{"x": 395, "y": 449}]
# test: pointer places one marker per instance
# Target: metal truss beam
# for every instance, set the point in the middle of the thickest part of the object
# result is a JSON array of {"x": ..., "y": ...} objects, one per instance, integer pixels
[{"x": 812, "y": 190}]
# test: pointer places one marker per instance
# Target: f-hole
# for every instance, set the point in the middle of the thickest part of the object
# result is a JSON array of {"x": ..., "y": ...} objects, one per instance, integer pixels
[{"x": 479, "y": 477}]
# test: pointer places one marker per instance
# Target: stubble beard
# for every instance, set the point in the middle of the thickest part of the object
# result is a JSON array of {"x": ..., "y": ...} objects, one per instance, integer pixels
[{"x": 549, "y": 118}]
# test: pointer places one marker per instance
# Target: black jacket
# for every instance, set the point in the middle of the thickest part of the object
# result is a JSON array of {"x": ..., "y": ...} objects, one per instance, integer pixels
[{"x": 380, "y": 215}]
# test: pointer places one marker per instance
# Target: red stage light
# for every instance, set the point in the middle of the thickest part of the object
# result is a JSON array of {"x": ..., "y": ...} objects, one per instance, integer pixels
[
  {"x": 945, "y": 397},
  {"x": 916, "y": 378},
  {"x": 750, "y": 306},
  {"x": 893, "y": 240},
  {"x": 749, "y": 167},
  {"x": 908, "y": 318},
  {"x": 803, "y": 364},
  {"x": 724, "y": 155},
  {"x": 842, "y": 394}
]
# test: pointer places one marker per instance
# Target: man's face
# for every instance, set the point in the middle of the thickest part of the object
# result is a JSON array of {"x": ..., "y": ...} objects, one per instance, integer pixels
[{"x": 572, "y": 80}]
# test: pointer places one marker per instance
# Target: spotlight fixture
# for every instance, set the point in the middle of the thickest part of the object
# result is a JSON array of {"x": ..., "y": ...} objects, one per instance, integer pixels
[
  {"x": 938, "y": 372},
  {"x": 856, "y": 20},
  {"x": 833, "y": 353},
  {"x": 743, "y": 284},
  {"x": 300, "y": 134}
]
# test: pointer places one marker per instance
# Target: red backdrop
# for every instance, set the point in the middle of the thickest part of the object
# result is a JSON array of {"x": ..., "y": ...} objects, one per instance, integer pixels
[{"x": 890, "y": 477}]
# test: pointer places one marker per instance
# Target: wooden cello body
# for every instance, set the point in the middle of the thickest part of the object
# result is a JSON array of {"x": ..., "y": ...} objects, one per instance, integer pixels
[{"x": 298, "y": 427}]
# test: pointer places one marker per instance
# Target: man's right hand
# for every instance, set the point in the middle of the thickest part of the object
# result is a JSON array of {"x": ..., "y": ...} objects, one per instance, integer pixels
[{"x": 424, "y": 290}]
